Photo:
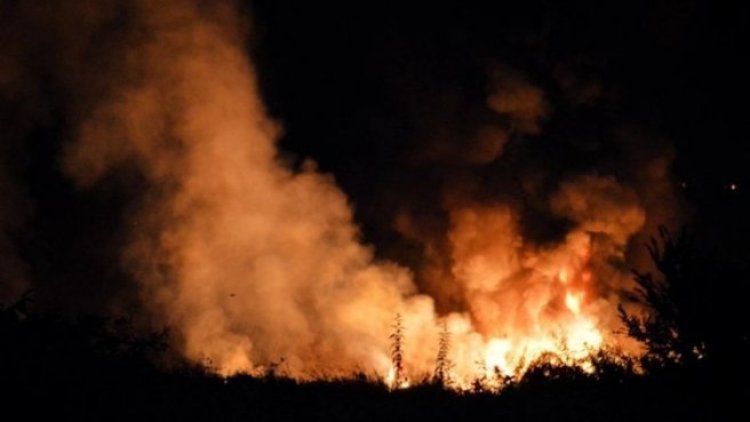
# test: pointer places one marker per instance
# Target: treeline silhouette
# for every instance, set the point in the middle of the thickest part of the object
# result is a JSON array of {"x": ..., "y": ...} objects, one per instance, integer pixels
[{"x": 696, "y": 366}]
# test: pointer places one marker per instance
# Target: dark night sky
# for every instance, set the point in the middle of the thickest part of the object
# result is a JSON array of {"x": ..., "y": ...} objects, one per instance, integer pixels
[
  {"x": 343, "y": 80},
  {"x": 676, "y": 66},
  {"x": 361, "y": 88}
]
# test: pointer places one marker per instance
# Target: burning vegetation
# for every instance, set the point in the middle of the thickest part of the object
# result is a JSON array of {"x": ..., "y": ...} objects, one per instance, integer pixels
[{"x": 258, "y": 267}]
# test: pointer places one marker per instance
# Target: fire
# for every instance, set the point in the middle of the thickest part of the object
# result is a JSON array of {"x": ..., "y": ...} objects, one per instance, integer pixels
[
  {"x": 583, "y": 337},
  {"x": 556, "y": 314},
  {"x": 394, "y": 381},
  {"x": 496, "y": 356},
  {"x": 573, "y": 302},
  {"x": 524, "y": 302},
  {"x": 563, "y": 276}
]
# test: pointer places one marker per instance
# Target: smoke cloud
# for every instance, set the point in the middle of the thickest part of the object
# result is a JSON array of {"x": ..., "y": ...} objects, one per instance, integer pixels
[{"x": 249, "y": 261}]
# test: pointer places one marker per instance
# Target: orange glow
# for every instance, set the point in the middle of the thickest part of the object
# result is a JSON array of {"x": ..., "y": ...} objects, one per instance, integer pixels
[
  {"x": 564, "y": 276},
  {"x": 573, "y": 302},
  {"x": 496, "y": 356},
  {"x": 393, "y": 383}
]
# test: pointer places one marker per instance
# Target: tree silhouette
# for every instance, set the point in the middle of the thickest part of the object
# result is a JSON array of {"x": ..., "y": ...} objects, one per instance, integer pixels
[
  {"x": 694, "y": 304},
  {"x": 670, "y": 329}
]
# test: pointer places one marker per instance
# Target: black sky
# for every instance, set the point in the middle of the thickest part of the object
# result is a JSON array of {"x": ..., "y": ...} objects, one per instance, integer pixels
[
  {"x": 343, "y": 80},
  {"x": 677, "y": 66}
]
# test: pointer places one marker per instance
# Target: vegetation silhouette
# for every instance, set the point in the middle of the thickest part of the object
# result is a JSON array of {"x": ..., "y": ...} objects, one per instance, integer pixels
[
  {"x": 695, "y": 305},
  {"x": 92, "y": 367}
]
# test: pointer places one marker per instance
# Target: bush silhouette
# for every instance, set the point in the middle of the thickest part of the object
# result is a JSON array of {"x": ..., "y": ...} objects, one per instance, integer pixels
[{"x": 694, "y": 306}]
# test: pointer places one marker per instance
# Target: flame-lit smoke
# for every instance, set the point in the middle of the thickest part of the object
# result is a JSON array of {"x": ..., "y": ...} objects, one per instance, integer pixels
[
  {"x": 532, "y": 299},
  {"x": 248, "y": 261},
  {"x": 252, "y": 263}
]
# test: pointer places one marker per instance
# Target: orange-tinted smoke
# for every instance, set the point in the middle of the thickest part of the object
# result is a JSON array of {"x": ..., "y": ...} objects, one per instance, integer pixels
[{"x": 249, "y": 262}]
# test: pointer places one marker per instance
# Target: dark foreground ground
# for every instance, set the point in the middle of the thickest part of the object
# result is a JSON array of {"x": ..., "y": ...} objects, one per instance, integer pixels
[
  {"x": 123, "y": 393},
  {"x": 92, "y": 369}
]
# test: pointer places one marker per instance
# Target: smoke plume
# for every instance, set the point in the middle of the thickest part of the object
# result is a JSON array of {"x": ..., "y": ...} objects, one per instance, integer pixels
[{"x": 248, "y": 261}]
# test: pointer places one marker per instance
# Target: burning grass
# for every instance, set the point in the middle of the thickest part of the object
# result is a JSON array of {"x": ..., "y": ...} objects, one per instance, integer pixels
[{"x": 89, "y": 367}]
